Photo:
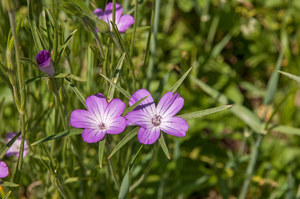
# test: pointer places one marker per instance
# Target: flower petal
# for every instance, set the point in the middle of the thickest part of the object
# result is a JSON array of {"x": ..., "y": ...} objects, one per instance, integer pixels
[
  {"x": 114, "y": 109},
  {"x": 92, "y": 135},
  {"x": 169, "y": 104},
  {"x": 140, "y": 118},
  {"x": 82, "y": 119},
  {"x": 99, "y": 12},
  {"x": 147, "y": 105},
  {"x": 148, "y": 136},
  {"x": 175, "y": 126},
  {"x": 124, "y": 23},
  {"x": 96, "y": 105},
  {"x": 15, "y": 148},
  {"x": 3, "y": 170},
  {"x": 116, "y": 126},
  {"x": 109, "y": 11}
]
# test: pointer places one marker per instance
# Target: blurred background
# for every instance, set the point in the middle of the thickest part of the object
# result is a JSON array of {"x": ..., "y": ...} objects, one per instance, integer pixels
[{"x": 233, "y": 47}]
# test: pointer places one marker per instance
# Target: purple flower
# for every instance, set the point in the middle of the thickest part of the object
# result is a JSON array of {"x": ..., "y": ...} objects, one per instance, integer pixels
[
  {"x": 3, "y": 170},
  {"x": 43, "y": 59},
  {"x": 154, "y": 119},
  {"x": 122, "y": 22},
  {"x": 100, "y": 118},
  {"x": 15, "y": 148}
]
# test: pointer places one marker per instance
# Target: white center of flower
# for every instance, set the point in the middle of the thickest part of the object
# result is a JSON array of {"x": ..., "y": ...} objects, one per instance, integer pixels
[
  {"x": 102, "y": 126},
  {"x": 156, "y": 120}
]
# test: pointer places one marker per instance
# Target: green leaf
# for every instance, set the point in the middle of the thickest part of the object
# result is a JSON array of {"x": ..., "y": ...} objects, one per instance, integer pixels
[
  {"x": 163, "y": 145},
  {"x": 76, "y": 91},
  {"x": 71, "y": 76},
  {"x": 94, "y": 49},
  {"x": 8, "y": 145},
  {"x": 33, "y": 28},
  {"x": 8, "y": 184},
  {"x": 286, "y": 129},
  {"x": 202, "y": 113},
  {"x": 101, "y": 151},
  {"x": 124, "y": 189},
  {"x": 289, "y": 75},
  {"x": 179, "y": 82},
  {"x": 7, "y": 195},
  {"x": 52, "y": 162},
  {"x": 30, "y": 61},
  {"x": 133, "y": 106},
  {"x": 63, "y": 48},
  {"x": 74, "y": 131},
  {"x": 128, "y": 137},
  {"x": 111, "y": 89},
  {"x": 139, "y": 29},
  {"x": 239, "y": 110},
  {"x": 273, "y": 82},
  {"x": 125, "y": 93}
]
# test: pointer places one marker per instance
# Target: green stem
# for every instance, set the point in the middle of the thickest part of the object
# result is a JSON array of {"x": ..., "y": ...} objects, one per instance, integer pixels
[
  {"x": 98, "y": 42},
  {"x": 18, "y": 57},
  {"x": 112, "y": 169},
  {"x": 20, "y": 160},
  {"x": 62, "y": 192},
  {"x": 251, "y": 166},
  {"x": 55, "y": 123},
  {"x": 142, "y": 178},
  {"x": 134, "y": 28}
]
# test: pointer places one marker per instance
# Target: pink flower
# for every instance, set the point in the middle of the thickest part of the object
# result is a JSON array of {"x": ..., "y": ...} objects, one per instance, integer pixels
[
  {"x": 100, "y": 118},
  {"x": 15, "y": 148},
  {"x": 155, "y": 119},
  {"x": 122, "y": 21},
  {"x": 3, "y": 170},
  {"x": 43, "y": 59}
]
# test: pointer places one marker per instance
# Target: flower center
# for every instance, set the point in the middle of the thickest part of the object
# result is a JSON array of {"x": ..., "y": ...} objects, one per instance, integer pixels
[
  {"x": 156, "y": 120},
  {"x": 102, "y": 126}
]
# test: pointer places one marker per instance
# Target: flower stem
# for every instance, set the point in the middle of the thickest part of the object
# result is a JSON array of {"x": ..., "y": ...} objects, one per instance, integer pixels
[
  {"x": 62, "y": 192},
  {"x": 112, "y": 169},
  {"x": 55, "y": 122},
  {"x": 18, "y": 57},
  {"x": 98, "y": 42},
  {"x": 142, "y": 178},
  {"x": 134, "y": 27},
  {"x": 251, "y": 166}
]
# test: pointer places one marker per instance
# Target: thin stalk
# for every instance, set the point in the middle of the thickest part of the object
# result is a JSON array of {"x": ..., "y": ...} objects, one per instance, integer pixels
[
  {"x": 98, "y": 42},
  {"x": 55, "y": 123},
  {"x": 20, "y": 160},
  {"x": 134, "y": 27},
  {"x": 112, "y": 44},
  {"x": 18, "y": 57},
  {"x": 112, "y": 169},
  {"x": 142, "y": 178},
  {"x": 62, "y": 192},
  {"x": 251, "y": 166}
]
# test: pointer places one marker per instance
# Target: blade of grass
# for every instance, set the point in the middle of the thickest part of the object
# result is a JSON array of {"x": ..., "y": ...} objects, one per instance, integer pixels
[
  {"x": 101, "y": 151},
  {"x": 163, "y": 145},
  {"x": 76, "y": 91},
  {"x": 202, "y": 113},
  {"x": 179, "y": 82},
  {"x": 124, "y": 92}
]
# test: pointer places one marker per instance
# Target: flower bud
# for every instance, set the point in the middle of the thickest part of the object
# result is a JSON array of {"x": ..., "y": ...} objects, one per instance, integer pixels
[
  {"x": 10, "y": 5},
  {"x": 102, "y": 26},
  {"x": 88, "y": 23},
  {"x": 45, "y": 63}
]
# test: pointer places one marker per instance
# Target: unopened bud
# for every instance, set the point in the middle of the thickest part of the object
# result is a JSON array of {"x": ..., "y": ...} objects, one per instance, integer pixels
[
  {"x": 10, "y": 5},
  {"x": 102, "y": 26},
  {"x": 88, "y": 23}
]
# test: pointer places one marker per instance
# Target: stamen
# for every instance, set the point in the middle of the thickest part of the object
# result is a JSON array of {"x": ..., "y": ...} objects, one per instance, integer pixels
[
  {"x": 102, "y": 126},
  {"x": 156, "y": 120}
]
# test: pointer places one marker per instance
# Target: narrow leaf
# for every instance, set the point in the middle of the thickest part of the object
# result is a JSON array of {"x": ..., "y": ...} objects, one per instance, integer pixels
[
  {"x": 7, "y": 195},
  {"x": 273, "y": 82},
  {"x": 8, "y": 184},
  {"x": 33, "y": 28},
  {"x": 125, "y": 93},
  {"x": 111, "y": 89},
  {"x": 163, "y": 145},
  {"x": 128, "y": 137},
  {"x": 289, "y": 75},
  {"x": 63, "y": 134},
  {"x": 286, "y": 129},
  {"x": 94, "y": 49},
  {"x": 131, "y": 108},
  {"x": 179, "y": 82},
  {"x": 101, "y": 151},
  {"x": 8, "y": 145},
  {"x": 202, "y": 113},
  {"x": 71, "y": 76},
  {"x": 76, "y": 91},
  {"x": 239, "y": 110},
  {"x": 30, "y": 61}
]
